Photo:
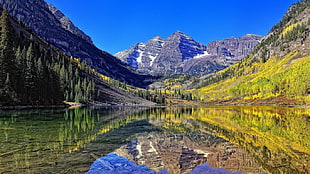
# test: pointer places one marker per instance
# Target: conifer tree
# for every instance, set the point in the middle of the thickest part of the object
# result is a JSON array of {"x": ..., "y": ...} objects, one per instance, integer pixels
[
  {"x": 8, "y": 93},
  {"x": 32, "y": 74},
  {"x": 7, "y": 55},
  {"x": 29, "y": 73}
]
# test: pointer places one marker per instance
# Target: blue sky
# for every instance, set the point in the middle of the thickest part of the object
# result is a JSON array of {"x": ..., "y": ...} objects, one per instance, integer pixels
[{"x": 115, "y": 25}]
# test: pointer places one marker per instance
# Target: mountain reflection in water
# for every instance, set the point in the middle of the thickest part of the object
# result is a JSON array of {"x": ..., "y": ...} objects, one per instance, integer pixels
[
  {"x": 231, "y": 138},
  {"x": 112, "y": 163}
]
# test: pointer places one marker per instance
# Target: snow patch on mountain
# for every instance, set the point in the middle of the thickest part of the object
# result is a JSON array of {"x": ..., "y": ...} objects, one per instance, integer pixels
[
  {"x": 181, "y": 54},
  {"x": 204, "y": 54},
  {"x": 139, "y": 58}
]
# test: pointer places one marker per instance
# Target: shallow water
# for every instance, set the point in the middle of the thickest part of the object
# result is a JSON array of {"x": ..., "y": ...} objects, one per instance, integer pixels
[{"x": 236, "y": 138}]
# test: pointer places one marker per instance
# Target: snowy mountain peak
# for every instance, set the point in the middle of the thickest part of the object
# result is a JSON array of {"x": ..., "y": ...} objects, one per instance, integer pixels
[
  {"x": 180, "y": 53},
  {"x": 142, "y": 55}
]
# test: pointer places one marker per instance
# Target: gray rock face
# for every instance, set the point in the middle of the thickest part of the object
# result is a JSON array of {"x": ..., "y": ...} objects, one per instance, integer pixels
[
  {"x": 141, "y": 56},
  {"x": 235, "y": 49},
  {"x": 152, "y": 50},
  {"x": 131, "y": 55},
  {"x": 178, "y": 48},
  {"x": 181, "y": 54},
  {"x": 52, "y": 26}
]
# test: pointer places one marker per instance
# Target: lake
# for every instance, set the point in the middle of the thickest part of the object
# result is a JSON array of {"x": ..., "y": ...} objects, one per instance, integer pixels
[{"x": 246, "y": 139}]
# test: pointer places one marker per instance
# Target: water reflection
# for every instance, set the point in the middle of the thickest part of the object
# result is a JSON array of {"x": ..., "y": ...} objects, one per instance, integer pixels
[
  {"x": 246, "y": 139},
  {"x": 32, "y": 140}
]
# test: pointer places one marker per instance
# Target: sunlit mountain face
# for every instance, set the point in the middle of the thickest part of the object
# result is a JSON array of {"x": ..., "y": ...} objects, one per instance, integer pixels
[{"x": 181, "y": 54}]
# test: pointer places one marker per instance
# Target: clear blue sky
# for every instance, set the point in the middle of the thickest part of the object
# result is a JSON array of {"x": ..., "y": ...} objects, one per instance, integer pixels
[{"x": 115, "y": 25}]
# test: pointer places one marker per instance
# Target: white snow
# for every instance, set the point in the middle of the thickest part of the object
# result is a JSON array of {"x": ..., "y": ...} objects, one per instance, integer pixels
[
  {"x": 140, "y": 50},
  {"x": 162, "y": 44},
  {"x": 139, "y": 59},
  {"x": 205, "y": 53},
  {"x": 152, "y": 59}
]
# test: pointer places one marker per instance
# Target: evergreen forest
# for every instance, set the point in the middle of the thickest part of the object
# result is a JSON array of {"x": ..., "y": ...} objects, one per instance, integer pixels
[{"x": 34, "y": 73}]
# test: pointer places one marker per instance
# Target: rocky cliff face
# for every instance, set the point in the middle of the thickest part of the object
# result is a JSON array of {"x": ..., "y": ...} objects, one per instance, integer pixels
[
  {"x": 51, "y": 25},
  {"x": 222, "y": 54},
  {"x": 181, "y": 54},
  {"x": 178, "y": 48},
  {"x": 141, "y": 56},
  {"x": 233, "y": 48}
]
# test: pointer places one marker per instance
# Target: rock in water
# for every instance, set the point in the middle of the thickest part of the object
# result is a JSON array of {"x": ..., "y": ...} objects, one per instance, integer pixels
[{"x": 114, "y": 164}]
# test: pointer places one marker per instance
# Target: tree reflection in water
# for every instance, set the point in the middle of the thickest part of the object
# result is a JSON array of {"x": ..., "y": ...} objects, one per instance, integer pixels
[{"x": 249, "y": 139}]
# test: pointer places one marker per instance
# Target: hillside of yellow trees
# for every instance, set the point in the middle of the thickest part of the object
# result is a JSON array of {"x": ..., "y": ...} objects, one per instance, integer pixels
[
  {"x": 280, "y": 81},
  {"x": 276, "y": 72}
]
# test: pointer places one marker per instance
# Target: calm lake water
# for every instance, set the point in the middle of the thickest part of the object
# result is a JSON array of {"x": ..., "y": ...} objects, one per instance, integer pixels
[{"x": 235, "y": 138}]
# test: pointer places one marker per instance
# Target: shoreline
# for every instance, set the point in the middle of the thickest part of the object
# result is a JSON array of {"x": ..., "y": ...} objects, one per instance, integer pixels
[
  {"x": 67, "y": 106},
  {"x": 20, "y": 107},
  {"x": 70, "y": 106}
]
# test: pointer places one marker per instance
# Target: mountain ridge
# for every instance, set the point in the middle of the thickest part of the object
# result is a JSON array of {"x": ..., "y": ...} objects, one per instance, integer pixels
[
  {"x": 37, "y": 16},
  {"x": 34, "y": 73},
  {"x": 275, "y": 72},
  {"x": 181, "y": 54},
  {"x": 67, "y": 24}
]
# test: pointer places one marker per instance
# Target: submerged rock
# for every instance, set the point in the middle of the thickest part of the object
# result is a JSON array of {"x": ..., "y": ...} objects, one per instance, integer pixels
[{"x": 114, "y": 164}]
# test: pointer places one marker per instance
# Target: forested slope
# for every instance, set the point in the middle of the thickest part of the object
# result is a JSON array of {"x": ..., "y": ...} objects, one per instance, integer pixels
[
  {"x": 277, "y": 71},
  {"x": 32, "y": 72}
]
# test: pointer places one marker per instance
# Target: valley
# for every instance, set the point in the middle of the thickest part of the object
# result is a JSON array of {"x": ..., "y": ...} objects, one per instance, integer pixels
[
  {"x": 249, "y": 69},
  {"x": 171, "y": 104}
]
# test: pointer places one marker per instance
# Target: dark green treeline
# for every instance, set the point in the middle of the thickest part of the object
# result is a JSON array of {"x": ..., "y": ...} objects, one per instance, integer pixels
[{"x": 32, "y": 73}]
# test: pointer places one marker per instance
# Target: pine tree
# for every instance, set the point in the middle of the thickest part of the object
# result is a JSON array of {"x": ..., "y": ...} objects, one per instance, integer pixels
[
  {"x": 62, "y": 74},
  {"x": 8, "y": 93},
  {"x": 29, "y": 74},
  {"x": 7, "y": 55},
  {"x": 78, "y": 92},
  {"x": 6, "y": 45},
  {"x": 40, "y": 85}
]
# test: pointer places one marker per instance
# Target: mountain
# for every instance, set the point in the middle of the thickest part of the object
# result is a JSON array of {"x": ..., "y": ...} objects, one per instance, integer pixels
[
  {"x": 181, "y": 54},
  {"x": 235, "y": 49},
  {"x": 35, "y": 73},
  {"x": 51, "y": 25},
  {"x": 141, "y": 56},
  {"x": 277, "y": 71},
  {"x": 178, "y": 48}
]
